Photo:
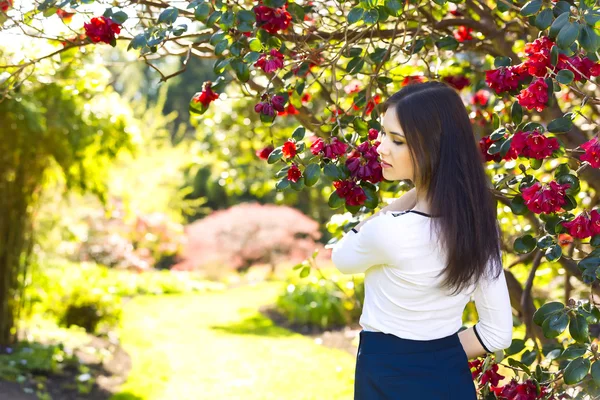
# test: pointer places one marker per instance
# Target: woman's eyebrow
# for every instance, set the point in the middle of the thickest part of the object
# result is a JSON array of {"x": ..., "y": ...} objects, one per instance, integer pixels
[{"x": 396, "y": 133}]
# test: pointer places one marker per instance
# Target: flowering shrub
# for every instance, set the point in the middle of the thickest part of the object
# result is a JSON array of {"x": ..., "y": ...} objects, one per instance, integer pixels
[
  {"x": 148, "y": 241},
  {"x": 247, "y": 234}
]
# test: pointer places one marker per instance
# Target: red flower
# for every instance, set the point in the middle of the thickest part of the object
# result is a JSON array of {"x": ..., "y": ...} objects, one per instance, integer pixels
[
  {"x": 535, "y": 96},
  {"x": 533, "y": 145},
  {"x": 206, "y": 96},
  {"x": 343, "y": 188},
  {"x": 272, "y": 20},
  {"x": 538, "y": 53},
  {"x": 271, "y": 62},
  {"x": 65, "y": 16},
  {"x": 264, "y": 153},
  {"x": 335, "y": 149},
  {"x": 463, "y": 33},
  {"x": 492, "y": 376},
  {"x": 294, "y": 173},
  {"x": 506, "y": 78},
  {"x": 102, "y": 29},
  {"x": 580, "y": 227},
  {"x": 481, "y": 97},
  {"x": 356, "y": 197},
  {"x": 545, "y": 199},
  {"x": 5, "y": 5},
  {"x": 515, "y": 391},
  {"x": 289, "y": 149},
  {"x": 289, "y": 110},
  {"x": 475, "y": 367},
  {"x": 459, "y": 82},
  {"x": 484, "y": 145},
  {"x": 373, "y": 133},
  {"x": 592, "y": 152},
  {"x": 584, "y": 65},
  {"x": 413, "y": 79},
  {"x": 595, "y": 222},
  {"x": 564, "y": 239},
  {"x": 305, "y": 97},
  {"x": 363, "y": 163}
]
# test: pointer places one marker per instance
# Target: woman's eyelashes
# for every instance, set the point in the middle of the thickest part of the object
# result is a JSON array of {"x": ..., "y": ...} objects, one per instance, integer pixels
[{"x": 393, "y": 141}]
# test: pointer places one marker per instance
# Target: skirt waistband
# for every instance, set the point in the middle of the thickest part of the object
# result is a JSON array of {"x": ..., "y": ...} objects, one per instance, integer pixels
[{"x": 379, "y": 342}]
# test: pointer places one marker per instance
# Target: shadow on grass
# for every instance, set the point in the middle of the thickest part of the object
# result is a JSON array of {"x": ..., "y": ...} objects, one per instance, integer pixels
[
  {"x": 256, "y": 324},
  {"x": 126, "y": 396}
]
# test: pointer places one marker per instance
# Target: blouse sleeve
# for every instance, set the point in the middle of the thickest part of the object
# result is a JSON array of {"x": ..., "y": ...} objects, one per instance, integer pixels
[
  {"x": 495, "y": 326},
  {"x": 356, "y": 251}
]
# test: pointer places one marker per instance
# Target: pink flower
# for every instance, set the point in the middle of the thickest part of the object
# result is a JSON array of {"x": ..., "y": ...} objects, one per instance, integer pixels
[
  {"x": 492, "y": 376},
  {"x": 533, "y": 145},
  {"x": 545, "y": 199},
  {"x": 580, "y": 227},
  {"x": 481, "y": 97},
  {"x": 535, "y": 96},
  {"x": 271, "y": 62},
  {"x": 335, "y": 149},
  {"x": 413, "y": 79},
  {"x": 592, "y": 152},
  {"x": 506, "y": 79},
  {"x": 356, "y": 197},
  {"x": 272, "y": 20},
  {"x": 595, "y": 222}
]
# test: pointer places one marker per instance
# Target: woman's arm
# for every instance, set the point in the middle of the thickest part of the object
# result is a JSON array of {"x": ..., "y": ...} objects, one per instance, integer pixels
[{"x": 404, "y": 202}]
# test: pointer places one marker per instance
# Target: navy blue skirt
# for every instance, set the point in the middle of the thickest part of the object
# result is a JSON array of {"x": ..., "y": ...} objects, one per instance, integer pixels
[{"x": 389, "y": 367}]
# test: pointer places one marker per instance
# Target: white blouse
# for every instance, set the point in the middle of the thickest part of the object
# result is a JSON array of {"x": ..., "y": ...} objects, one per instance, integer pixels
[{"x": 403, "y": 297}]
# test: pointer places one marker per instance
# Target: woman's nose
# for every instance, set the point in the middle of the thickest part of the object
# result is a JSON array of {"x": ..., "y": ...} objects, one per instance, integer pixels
[{"x": 381, "y": 150}]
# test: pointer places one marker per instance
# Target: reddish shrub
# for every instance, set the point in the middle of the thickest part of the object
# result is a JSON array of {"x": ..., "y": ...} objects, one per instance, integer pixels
[{"x": 247, "y": 234}]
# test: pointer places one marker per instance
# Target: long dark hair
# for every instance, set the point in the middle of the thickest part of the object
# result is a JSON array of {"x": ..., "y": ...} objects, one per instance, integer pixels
[{"x": 449, "y": 166}]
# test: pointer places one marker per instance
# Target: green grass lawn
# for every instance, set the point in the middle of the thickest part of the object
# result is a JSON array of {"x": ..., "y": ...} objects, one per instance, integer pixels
[{"x": 217, "y": 346}]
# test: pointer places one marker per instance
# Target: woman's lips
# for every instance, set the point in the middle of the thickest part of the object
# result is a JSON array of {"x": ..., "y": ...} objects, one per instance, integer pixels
[{"x": 385, "y": 165}]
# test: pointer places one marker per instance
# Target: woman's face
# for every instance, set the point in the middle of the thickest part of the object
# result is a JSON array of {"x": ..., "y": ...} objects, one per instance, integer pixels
[{"x": 393, "y": 150}]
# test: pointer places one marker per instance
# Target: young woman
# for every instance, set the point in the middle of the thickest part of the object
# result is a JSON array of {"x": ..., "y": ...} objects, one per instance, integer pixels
[{"x": 426, "y": 254}]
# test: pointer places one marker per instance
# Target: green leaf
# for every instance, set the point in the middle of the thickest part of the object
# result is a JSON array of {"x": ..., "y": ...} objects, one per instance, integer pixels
[
  {"x": 560, "y": 125},
  {"x": 534, "y": 163},
  {"x": 255, "y": 45},
  {"x": 495, "y": 121},
  {"x": 525, "y": 244},
  {"x": 168, "y": 16},
  {"x": 371, "y": 16},
  {"x": 275, "y": 155},
  {"x": 241, "y": 70},
  {"x": 227, "y": 19},
  {"x": 544, "y": 19},
  {"x": 355, "y": 65},
  {"x": 567, "y": 35},
  {"x": 595, "y": 241},
  {"x": 202, "y": 11},
  {"x": 335, "y": 201},
  {"x": 553, "y": 253},
  {"x": 573, "y": 351},
  {"x": 516, "y": 346},
  {"x": 312, "y": 174},
  {"x": 305, "y": 272},
  {"x": 572, "y": 180},
  {"x": 561, "y": 7},
  {"x": 588, "y": 39},
  {"x": 565, "y": 76},
  {"x": 299, "y": 133},
  {"x": 498, "y": 134},
  {"x": 220, "y": 65},
  {"x": 528, "y": 357},
  {"x": 576, "y": 370},
  {"x": 591, "y": 18},
  {"x": 517, "y": 205},
  {"x": 555, "y": 324},
  {"x": 393, "y": 7},
  {"x": 502, "y": 61},
  {"x": 221, "y": 47},
  {"x": 332, "y": 172},
  {"x": 297, "y": 12},
  {"x": 558, "y": 24},
  {"x": 246, "y": 16},
  {"x": 516, "y": 113},
  {"x": 447, "y": 43},
  {"x": 282, "y": 184},
  {"x": 596, "y": 372},
  {"x": 578, "y": 328},
  {"x": 544, "y": 311},
  {"x": 518, "y": 364},
  {"x": 355, "y": 15},
  {"x": 119, "y": 17},
  {"x": 137, "y": 42},
  {"x": 531, "y": 8},
  {"x": 214, "y": 18}
]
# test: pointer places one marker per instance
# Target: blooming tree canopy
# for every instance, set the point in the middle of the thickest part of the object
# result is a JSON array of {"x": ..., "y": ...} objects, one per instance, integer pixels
[{"x": 525, "y": 69}]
